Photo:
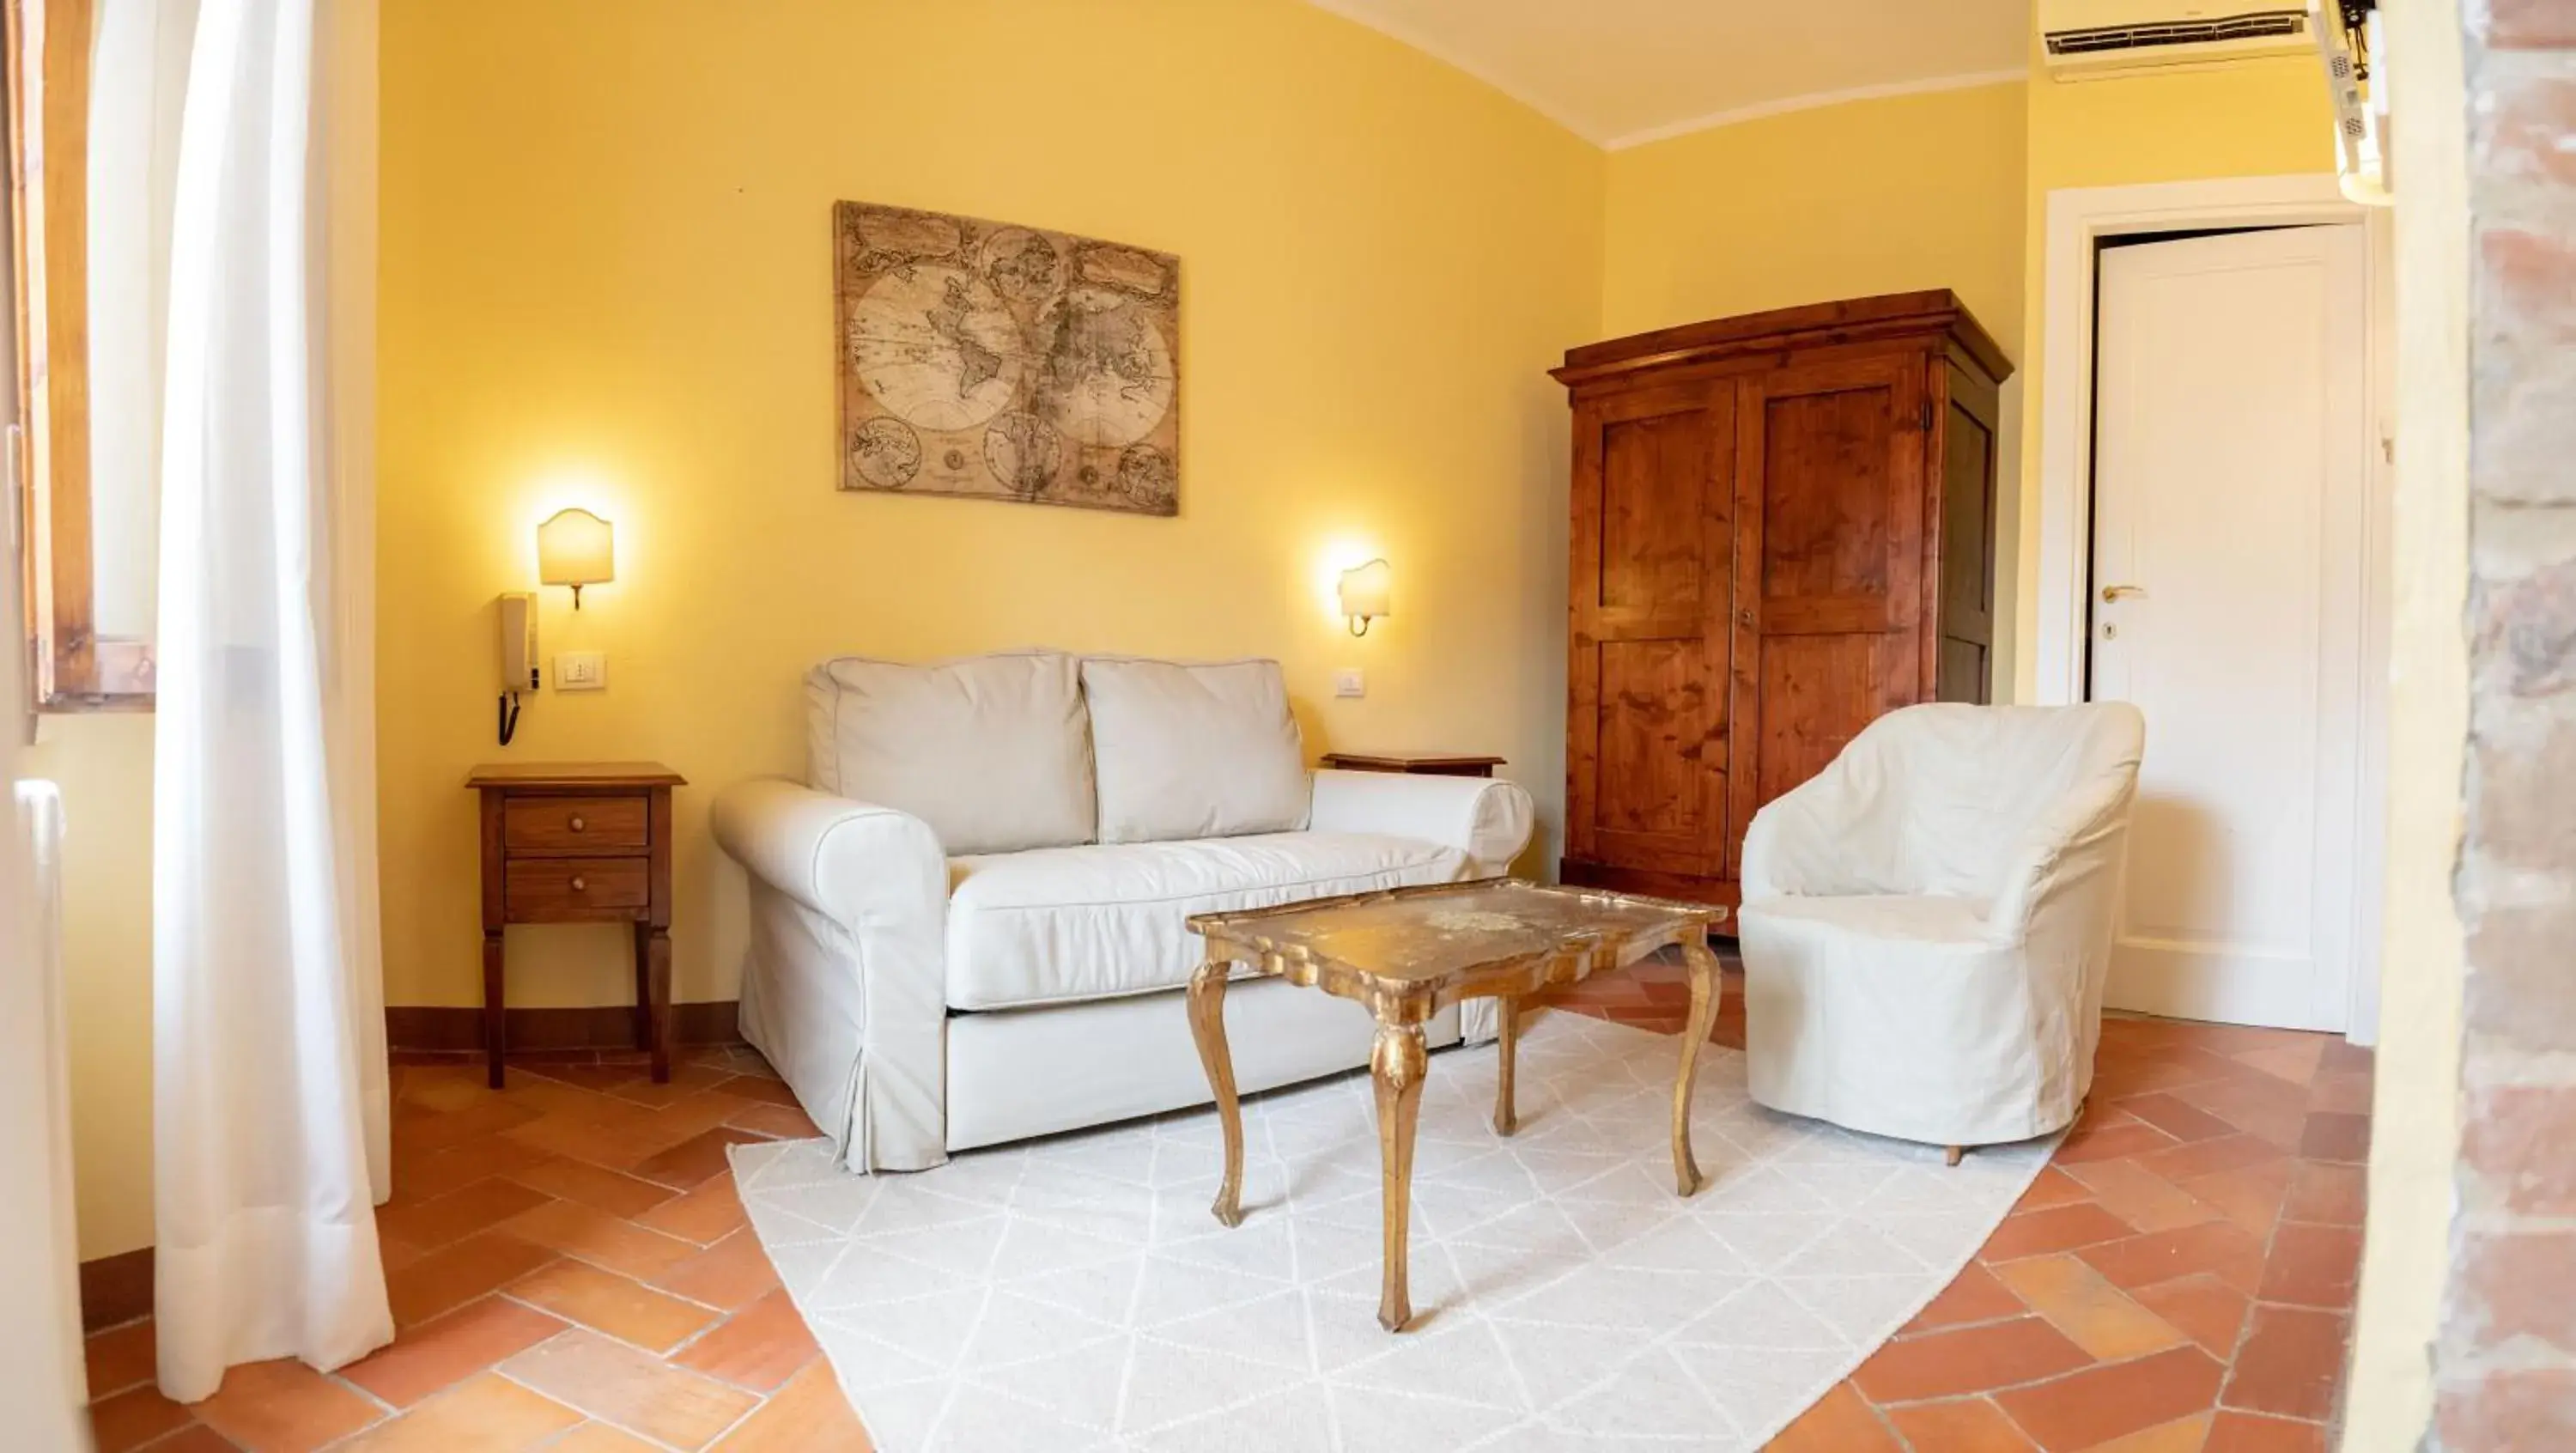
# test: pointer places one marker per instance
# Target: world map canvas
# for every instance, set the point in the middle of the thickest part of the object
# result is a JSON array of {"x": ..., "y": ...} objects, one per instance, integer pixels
[{"x": 1002, "y": 362}]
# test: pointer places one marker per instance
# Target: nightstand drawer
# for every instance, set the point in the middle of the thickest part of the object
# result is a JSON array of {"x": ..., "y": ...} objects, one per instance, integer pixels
[
  {"x": 575, "y": 825},
  {"x": 569, "y": 890}
]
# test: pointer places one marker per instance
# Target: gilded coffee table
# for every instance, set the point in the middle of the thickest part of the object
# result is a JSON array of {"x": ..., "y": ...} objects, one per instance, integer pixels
[{"x": 1408, "y": 953}]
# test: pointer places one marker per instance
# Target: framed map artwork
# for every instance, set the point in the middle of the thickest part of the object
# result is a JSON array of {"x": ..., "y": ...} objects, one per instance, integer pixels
[{"x": 1002, "y": 362}]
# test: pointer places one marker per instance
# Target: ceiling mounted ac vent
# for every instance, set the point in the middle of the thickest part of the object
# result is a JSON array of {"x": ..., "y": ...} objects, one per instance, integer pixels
[{"x": 2089, "y": 39}]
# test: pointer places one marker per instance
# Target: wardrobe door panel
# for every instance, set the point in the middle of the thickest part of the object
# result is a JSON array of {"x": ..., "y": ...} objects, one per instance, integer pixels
[
  {"x": 1830, "y": 502},
  {"x": 1652, "y": 580},
  {"x": 1816, "y": 693},
  {"x": 1839, "y": 449},
  {"x": 1647, "y": 772}
]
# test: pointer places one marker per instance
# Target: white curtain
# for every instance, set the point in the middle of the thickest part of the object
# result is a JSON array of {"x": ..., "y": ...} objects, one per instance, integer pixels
[{"x": 269, "y": 1120}]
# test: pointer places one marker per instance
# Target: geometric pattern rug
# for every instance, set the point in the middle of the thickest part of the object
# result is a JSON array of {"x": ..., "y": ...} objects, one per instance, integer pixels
[{"x": 1075, "y": 1294}]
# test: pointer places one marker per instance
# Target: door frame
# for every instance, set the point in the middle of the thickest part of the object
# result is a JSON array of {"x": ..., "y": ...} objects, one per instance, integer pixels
[{"x": 2078, "y": 218}]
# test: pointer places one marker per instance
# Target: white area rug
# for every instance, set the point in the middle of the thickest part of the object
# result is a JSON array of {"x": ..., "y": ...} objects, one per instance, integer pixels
[{"x": 1076, "y": 1295}]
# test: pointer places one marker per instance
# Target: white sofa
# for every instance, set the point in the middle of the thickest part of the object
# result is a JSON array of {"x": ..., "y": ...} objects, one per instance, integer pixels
[
  {"x": 1926, "y": 925},
  {"x": 968, "y": 926}
]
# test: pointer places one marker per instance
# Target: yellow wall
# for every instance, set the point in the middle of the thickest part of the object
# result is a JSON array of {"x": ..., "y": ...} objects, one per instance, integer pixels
[
  {"x": 104, "y": 766},
  {"x": 606, "y": 278},
  {"x": 2255, "y": 118},
  {"x": 1878, "y": 196}
]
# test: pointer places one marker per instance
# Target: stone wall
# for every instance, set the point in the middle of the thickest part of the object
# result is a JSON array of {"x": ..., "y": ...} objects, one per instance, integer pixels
[{"x": 2506, "y": 1360}]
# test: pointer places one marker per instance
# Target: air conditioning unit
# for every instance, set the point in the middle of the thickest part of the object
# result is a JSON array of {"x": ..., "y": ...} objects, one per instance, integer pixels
[{"x": 2094, "y": 39}]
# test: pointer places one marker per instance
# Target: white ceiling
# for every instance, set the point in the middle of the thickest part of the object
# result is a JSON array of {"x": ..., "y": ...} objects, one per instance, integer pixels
[{"x": 1618, "y": 72}]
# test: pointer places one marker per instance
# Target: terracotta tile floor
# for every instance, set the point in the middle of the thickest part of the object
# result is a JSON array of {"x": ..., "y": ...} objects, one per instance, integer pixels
[
  {"x": 2179, "y": 1279},
  {"x": 571, "y": 1271}
]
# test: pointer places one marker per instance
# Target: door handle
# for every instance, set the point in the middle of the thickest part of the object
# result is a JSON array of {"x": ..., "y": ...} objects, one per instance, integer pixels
[
  {"x": 1744, "y": 617},
  {"x": 2111, "y": 593}
]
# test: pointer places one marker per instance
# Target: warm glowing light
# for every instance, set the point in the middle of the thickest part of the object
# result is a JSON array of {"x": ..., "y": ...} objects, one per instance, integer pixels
[
  {"x": 576, "y": 548},
  {"x": 600, "y": 488},
  {"x": 1366, "y": 593},
  {"x": 1338, "y": 559}
]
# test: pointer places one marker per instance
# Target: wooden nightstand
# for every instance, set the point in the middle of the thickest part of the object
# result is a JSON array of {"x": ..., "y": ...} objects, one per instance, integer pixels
[
  {"x": 1420, "y": 764},
  {"x": 580, "y": 842}
]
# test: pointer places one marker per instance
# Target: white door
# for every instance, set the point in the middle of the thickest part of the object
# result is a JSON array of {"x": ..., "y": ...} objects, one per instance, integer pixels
[{"x": 2230, "y": 477}]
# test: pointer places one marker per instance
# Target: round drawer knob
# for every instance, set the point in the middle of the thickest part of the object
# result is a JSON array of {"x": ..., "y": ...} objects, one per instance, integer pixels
[
  {"x": 578, "y": 885},
  {"x": 580, "y": 826}
]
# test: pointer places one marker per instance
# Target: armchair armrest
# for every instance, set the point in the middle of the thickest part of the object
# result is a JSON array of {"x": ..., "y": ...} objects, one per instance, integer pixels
[
  {"x": 2075, "y": 843},
  {"x": 1486, "y": 818},
  {"x": 849, "y": 861},
  {"x": 1799, "y": 844}
]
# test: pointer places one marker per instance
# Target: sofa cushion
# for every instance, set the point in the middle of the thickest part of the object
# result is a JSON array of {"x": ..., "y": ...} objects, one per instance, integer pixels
[
  {"x": 1064, "y": 924},
  {"x": 1193, "y": 751},
  {"x": 992, "y": 751}
]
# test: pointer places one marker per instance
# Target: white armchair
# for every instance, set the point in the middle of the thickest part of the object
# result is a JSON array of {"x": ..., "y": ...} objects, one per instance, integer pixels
[{"x": 1926, "y": 924}]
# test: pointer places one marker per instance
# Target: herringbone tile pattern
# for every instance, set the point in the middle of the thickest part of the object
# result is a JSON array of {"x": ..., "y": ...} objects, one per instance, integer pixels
[{"x": 571, "y": 1271}]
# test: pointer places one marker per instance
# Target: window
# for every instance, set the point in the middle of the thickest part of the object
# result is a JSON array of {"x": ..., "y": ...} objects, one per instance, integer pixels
[{"x": 94, "y": 88}]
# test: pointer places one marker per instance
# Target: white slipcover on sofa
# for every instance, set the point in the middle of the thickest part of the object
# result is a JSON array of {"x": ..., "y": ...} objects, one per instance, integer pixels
[
  {"x": 970, "y": 927},
  {"x": 1926, "y": 924}
]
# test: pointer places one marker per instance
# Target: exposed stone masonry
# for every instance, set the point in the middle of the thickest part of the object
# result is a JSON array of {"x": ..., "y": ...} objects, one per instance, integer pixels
[{"x": 2506, "y": 1361}]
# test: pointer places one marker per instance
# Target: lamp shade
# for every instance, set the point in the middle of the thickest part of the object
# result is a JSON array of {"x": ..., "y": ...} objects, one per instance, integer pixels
[
  {"x": 576, "y": 548},
  {"x": 1367, "y": 593}
]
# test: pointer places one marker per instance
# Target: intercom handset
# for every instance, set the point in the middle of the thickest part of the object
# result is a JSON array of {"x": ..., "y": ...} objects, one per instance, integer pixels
[{"x": 518, "y": 656}]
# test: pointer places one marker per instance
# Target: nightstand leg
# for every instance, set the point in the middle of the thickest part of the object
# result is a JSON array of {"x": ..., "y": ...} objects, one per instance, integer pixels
[
  {"x": 492, "y": 1015},
  {"x": 643, "y": 986},
  {"x": 658, "y": 957}
]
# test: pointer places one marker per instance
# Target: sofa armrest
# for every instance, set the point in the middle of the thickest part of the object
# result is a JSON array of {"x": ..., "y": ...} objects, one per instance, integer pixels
[
  {"x": 1486, "y": 818},
  {"x": 847, "y": 860},
  {"x": 852, "y": 1013}
]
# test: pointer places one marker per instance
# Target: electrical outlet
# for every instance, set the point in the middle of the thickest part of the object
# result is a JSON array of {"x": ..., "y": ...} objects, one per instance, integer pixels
[
  {"x": 1349, "y": 683},
  {"x": 581, "y": 671}
]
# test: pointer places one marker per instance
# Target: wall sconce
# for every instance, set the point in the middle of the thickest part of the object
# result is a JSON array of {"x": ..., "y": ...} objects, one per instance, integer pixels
[
  {"x": 1366, "y": 594},
  {"x": 576, "y": 548}
]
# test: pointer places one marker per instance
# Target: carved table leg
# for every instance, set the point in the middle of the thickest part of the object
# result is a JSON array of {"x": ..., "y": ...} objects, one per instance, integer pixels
[
  {"x": 1207, "y": 1026},
  {"x": 1705, "y": 990},
  {"x": 1398, "y": 1063},
  {"x": 1506, "y": 1112}
]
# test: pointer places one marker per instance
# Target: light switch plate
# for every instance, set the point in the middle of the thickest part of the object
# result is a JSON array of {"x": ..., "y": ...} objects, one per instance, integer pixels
[
  {"x": 1349, "y": 683},
  {"x": 581, "y": 671}
]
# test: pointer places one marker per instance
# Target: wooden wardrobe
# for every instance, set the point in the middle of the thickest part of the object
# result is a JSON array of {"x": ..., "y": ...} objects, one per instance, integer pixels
[{"x": 1783, "y": 526}]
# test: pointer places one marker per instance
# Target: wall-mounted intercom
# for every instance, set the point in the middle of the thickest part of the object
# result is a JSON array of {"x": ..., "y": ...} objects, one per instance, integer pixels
[{"x": 518, "y": 656}]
